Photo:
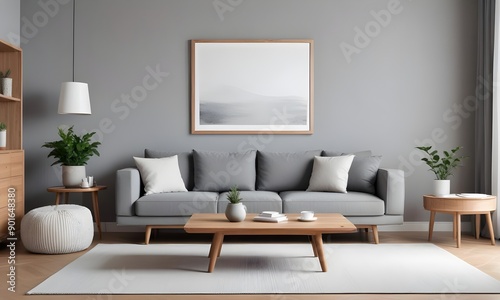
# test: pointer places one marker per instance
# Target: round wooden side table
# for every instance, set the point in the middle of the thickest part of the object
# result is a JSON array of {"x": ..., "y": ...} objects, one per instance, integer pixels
[
  {"x": 459, "y": 206},
  {"x": 95, "y": 200}
]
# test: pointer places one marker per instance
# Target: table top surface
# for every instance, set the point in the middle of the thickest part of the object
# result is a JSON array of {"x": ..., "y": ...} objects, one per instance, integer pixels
[
  {"x": 62, "y": 189},
  {"x": 212, "y": 223},
  {"x": 469, "y": 196}
]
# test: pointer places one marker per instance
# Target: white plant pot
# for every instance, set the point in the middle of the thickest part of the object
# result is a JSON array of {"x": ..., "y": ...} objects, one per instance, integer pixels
[
  {"x": 236, "y": 212},
  {"x": 441, "y": 187},
  {"x": 3, "y": 139},
  {"x": 72, "y": 175},
  {"x": 7, "y": 87}
]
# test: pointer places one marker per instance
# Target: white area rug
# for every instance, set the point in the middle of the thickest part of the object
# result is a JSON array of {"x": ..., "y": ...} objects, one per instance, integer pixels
[{"x": 267, "y": 269}]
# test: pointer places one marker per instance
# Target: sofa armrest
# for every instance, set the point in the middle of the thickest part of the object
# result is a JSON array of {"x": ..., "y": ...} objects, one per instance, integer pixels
[
  {"x": 391, "y": 189},
  {"x": 128, "y": 187}
]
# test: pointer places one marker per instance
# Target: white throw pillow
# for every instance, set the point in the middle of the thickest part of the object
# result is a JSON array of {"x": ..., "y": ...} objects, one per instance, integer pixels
[
  {"x": 160, "y": 175},
  {"x": 330, "y": 174}
]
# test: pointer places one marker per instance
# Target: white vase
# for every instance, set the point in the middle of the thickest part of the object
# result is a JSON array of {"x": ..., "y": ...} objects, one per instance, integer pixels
[
  {"x": 441, "y": 187},
  {"x": 72, "y": 175},
  {"x": 236, "y": 212},
  {"x": 7, "y": 87},
  {"x": 3, "y": 139}
]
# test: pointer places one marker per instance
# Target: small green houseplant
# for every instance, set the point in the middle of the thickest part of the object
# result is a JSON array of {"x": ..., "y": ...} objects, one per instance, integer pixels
[
  {"x": 6, "y": 75},
  {"x": 234, "y": 195},
  {"x": 441, "y": 166},
  {"x": 3, "y": 136},
  {"x": 235, "y": 211},
  {"x": 72, "y": 149},
  {"x": 72, "y": 152}
]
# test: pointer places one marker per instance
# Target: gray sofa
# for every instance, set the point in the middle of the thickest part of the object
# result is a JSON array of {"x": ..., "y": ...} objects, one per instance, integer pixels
[{"x": 276, "y": 181}]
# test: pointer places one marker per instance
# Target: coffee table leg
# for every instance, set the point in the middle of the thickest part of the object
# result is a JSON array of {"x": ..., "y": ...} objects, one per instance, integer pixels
[
  {"x": 318, "y": 239},
  {"x": 459, "y": 229},
  {"x": 58, "y": 198},
  {"x": 215, "y": 250},
  {"x": 490, "y": 228},
  {"x": 431, "y": 224},
  {"x": 478, "y": 224},
  {"x": 313, "y": 244},
  {"x": 95, "y": 203}
]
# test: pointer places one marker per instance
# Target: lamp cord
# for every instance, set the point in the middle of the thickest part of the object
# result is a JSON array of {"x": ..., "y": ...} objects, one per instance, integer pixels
[{"x": 74, "y": 13}]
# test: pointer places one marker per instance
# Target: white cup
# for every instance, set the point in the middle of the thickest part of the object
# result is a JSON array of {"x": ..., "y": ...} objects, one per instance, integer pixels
[
  {"x": 90, "y": 180},
  {"x": 306, "y": 215},
  {"x": 85, "y": 183}
]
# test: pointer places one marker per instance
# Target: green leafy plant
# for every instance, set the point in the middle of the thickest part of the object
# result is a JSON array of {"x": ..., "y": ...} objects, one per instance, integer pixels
[
  {"x": 234, "y": 195},
  {"x": 72, "y": 149},
  {"x": 442, "y": 166},
  {"x": 3, "y": 127},
  {"x": 6, "y": 75}
]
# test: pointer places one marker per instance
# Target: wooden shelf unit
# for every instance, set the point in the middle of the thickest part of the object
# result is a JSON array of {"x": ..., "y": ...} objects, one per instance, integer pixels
[{"x": 12, "y": 158}]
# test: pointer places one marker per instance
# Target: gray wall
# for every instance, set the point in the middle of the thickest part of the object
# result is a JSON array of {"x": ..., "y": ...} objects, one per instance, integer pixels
[
  {"x": 401, "y": 85},
  {"x": 10, "y": 15}
]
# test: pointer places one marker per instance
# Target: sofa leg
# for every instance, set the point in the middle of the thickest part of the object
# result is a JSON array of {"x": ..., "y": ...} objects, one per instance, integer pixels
[
  {"x": 149, "y": 228},
  {"x": 375, "y": 234},
  {"x": 148, "y": 234},
  {"x": 374, "y": 229}
]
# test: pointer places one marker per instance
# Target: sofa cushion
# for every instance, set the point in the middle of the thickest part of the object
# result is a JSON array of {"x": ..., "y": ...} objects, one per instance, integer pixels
[
  {"x": 160, "y": 175},
  {"x": 348, "y": 204},
  {"x": 363, "y": 174},
  {"x": 338, "y": 153},
  {"x": 176, "y": 204},
  {"x": 219, "y": 171},
  {"x": 330, "y": 174},
  {"x": 255, "y": 201},
  {"x": 284, "y": 171},
  {"x": 185, "y": 160}
]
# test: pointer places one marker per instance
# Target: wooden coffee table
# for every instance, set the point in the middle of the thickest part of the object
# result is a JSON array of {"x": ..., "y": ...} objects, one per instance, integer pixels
[{"x": 219, "y": 226}]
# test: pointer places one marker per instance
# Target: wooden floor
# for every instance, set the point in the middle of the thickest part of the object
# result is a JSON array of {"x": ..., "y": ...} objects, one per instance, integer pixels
[{"x": 32, "y": 269}]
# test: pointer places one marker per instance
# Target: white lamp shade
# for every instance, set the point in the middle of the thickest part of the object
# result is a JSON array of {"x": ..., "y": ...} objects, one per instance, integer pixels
[{"x": 74, "y": 98}]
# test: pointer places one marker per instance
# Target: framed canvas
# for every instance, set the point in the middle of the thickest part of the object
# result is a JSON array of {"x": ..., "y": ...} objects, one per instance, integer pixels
[{"x": 251, "y": 86}]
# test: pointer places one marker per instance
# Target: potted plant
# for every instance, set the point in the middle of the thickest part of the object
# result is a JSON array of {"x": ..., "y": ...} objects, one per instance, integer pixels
[
  {"x": 3, "y": 136},
  {"x": 6, "y": 83},
  {"x": 72, "y": 152},
  {"x": 235, "y": 210},
  {"x": 442, "y": 167}
]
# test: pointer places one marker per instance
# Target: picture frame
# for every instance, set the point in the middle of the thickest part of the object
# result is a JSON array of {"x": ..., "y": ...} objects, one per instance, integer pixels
[{"x": 252, "y": 86}]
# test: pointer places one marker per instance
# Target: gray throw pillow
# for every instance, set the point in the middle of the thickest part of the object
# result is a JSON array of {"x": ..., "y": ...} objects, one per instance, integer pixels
[
  {"x": 284, "y": 171},
  {"x": 338, "y": 153},
  {"x": 219, "y": 171},
  {"x": 185, "y": 164},
  {"x": 363, "y": 174}
]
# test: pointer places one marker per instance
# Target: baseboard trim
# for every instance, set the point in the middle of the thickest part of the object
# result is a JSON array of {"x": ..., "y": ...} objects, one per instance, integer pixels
[
  {"x": 424, "y": 226},
  {"x": 407, "y": 226}
]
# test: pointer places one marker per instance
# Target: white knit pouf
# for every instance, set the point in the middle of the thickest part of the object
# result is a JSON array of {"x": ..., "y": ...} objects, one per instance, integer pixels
[{"x": 57, "y": 229}]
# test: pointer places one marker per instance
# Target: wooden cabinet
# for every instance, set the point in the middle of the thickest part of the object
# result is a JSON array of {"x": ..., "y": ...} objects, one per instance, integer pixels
[{"x": 12, "y": 158}]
